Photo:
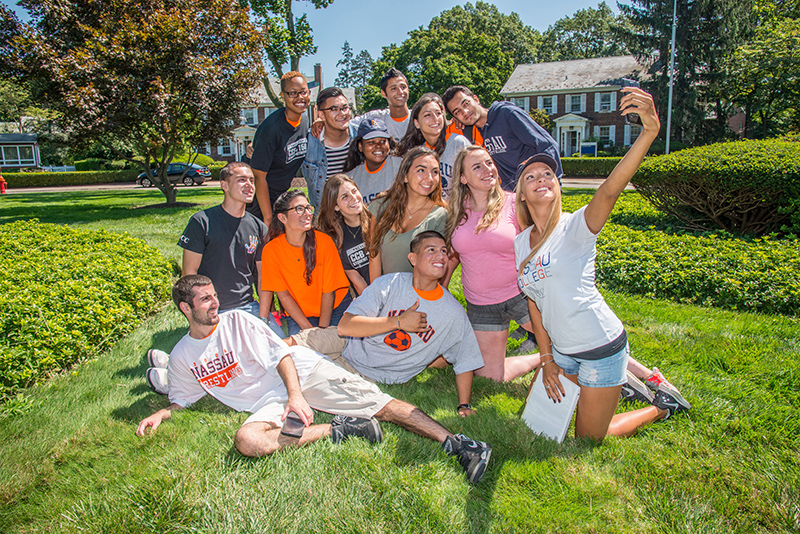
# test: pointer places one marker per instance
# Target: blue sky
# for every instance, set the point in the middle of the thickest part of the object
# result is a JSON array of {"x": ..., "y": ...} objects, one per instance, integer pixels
[{"x": 377, "y": 23}]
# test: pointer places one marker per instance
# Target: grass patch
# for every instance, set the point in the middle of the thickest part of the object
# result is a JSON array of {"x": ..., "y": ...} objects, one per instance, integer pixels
[{"x": 72, "y": 463}]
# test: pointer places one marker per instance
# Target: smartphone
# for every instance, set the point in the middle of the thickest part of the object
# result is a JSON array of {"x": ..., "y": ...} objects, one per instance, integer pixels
[
  {"x": 293, "y": 426},
  {"x": 631, "y": 118}
]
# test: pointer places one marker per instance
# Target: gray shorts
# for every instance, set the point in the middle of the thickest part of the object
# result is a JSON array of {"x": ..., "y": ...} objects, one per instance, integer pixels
[
  {"x": 327, "y": 341},
  {"x": 331, "y": 389},
  {"x": 496, "y": 317}
]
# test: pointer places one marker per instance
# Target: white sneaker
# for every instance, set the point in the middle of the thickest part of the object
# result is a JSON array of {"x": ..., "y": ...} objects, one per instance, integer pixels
[
  {"x": 157, "y": 380},
  {"x": 157, "y": 358}
]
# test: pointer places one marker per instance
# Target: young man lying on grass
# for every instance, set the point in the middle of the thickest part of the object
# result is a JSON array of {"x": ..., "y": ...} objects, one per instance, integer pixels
[{"x": 238, "y": 360}]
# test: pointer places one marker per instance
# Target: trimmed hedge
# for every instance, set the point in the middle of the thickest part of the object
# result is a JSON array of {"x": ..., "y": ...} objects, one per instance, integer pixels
[
  {"x": 749, "y": 187},
  {"x": 67, "y": 295},
  {"x": 646, "y": 257},
  {"x": 215, "y": 168},
  {"x": 588, "y": 167},
  {"x": 48, "y": 179}
]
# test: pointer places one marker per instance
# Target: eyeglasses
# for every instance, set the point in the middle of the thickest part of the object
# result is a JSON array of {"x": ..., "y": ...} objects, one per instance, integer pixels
[
  {"x": 300, "y": 210},
  {"x": 337, "y": 109},
  {"x": 295, "y": 94}
]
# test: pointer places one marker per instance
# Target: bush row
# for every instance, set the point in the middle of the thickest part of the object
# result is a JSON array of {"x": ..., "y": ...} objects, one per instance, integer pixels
[
  {"x": 750, "y": 187},
  {"x": 66, "y": 295},
  {"x": 48, "y": 179},
  {"x": 588, "y": 167},
  {"x": 642, "y": 251}
]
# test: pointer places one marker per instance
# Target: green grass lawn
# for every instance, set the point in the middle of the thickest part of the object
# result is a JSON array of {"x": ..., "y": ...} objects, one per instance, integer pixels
[{"x": 71, "y": 462}]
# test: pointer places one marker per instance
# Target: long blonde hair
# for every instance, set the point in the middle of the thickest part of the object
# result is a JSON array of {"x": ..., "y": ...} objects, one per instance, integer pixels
[
  {"x": 394, "y": 207},
  {"x": 330, "y": 220},
  {"x": 460, "y": 196},
  {"x": 525, "y": 219}
]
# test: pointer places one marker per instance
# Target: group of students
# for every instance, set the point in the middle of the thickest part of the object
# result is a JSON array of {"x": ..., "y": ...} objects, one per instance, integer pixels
[{"x": 522, "y": 258}]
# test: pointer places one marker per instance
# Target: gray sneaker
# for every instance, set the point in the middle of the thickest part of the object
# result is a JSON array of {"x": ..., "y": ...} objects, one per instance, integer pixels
[
  {"x": 635, "y": 390},
  {"x": 665, "y": 400},
  {"x": 344, "y": 427},
  {"x": 472, "y": 455},
  {"x": 157, "y": 380}
]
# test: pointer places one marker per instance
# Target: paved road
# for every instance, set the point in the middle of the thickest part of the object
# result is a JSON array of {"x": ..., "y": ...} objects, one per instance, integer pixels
[{"x": 581, "y": 183}]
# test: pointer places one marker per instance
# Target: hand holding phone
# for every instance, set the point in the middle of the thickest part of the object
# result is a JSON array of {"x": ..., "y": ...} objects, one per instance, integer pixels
[
  {"x": 631, "y": 118},
  {"x": 293, "y": 426}
]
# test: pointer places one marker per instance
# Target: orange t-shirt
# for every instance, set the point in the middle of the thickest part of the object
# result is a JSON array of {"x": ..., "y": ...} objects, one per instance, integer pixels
[
  {"x": 283, "y": 269},
  {"x": 451, "y": 129}
]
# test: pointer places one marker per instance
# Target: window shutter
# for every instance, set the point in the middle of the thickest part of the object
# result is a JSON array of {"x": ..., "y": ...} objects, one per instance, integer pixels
[
  {"x": 597, "y": 100},
  {"x": 539, "y": 102},
  {"x": 597, "y": 132},
  {"x": 612, "y": 134},
  {"x": 627, "y": 135},
  {"x": 613, "y": 101},
  {"x": 555, "y": 104},
  {"x": 583, "y": 103}
]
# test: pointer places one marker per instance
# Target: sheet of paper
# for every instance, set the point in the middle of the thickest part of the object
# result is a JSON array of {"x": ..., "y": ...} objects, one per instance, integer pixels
[{"x": 544, "y": 416}]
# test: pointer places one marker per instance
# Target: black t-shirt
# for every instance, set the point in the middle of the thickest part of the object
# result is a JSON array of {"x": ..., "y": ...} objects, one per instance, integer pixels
[
  {"x": 354, "y": 253},
  {"x": 230, "y": 247},
  {"x": 278, "y": 149}
]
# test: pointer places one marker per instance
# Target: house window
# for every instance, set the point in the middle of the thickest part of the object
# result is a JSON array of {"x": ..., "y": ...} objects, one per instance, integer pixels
[
  {"x": 605, "y": 134},
  {"x": 548, "y": 104},
  {"x": 575, "y": 103},
  {"x": 224, "y": 148},
  {"x": 17, "y": 155},
  {"x": 635, "y": 131},
  {"x": 605, "y": 102},
  {"x": 249, "y": 116},
  {"x": 521, "y": 102},
  {"x": 204, "y": 149}
]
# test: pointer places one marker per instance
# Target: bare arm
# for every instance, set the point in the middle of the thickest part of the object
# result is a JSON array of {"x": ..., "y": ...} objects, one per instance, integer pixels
[
  {"x": 599, "y": 209},
  {"x": 296, "y": 403},
  {"x": 452, "y": 265},
  {"x": 375, "y": 269},
  {"x": 357, "y": 280},
  {"x": 191, "y": 262},
  {"x": 291, "y": 307},
  {"x": 156, "y": 419},
  {"x": 262, "y": 195},
  {"x": 361, "y": 326},
  {"x": 326, "y": 309},
  {"x": 550, "y": 369},
  {"x": 464, "y": 391}
]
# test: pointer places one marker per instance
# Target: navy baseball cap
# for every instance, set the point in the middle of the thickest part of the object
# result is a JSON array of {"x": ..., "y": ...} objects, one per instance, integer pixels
[
  {"x": 547, "y": 159},
  {"x": 371, "y": 129}
]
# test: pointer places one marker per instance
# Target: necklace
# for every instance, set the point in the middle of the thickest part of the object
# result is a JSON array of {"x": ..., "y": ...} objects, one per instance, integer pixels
[
  {"x": 352, "y": 233},
  {"x": 419, "y": 208}
]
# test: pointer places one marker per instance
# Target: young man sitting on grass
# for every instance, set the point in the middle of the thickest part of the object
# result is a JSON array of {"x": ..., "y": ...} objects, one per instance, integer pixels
[
  {"x": 401, "y": 323},
  {"x": 238, "y": 360}
]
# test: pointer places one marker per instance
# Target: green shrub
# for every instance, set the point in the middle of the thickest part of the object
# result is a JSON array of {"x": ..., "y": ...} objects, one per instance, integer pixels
[
  {"x": 588, "y": 167},
  {"x": 201, "y": 159},
  {"x": 215, "y": 168},
  {"x": 67, "y": 295},
  {"x": 90, "y": 164},
  {"x": 48, "y": 179},
  {"x": 749, "y": 187}
]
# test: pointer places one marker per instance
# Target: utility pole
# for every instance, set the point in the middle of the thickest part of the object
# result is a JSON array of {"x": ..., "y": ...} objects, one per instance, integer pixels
[{"x": 671, "y": 71}]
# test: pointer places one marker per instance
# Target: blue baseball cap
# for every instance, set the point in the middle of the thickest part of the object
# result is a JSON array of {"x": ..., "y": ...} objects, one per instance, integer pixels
[{"x": 372, "y": 129}]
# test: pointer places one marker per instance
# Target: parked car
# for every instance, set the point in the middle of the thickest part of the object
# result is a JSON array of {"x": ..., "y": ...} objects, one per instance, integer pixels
[{"x": 195, "y": 175}]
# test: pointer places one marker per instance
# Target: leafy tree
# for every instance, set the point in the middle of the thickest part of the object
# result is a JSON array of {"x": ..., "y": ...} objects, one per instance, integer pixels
[
  {"x": 286, "y": 38},
  {"x": 589, "y": 33},
  {"x": 152, "y": 77},
  {"x": 541, "y": 117},
  {"x": 707, "y": 31},
  {"x": 764, "y": 75},
  {"x": 355, "y": 72}
]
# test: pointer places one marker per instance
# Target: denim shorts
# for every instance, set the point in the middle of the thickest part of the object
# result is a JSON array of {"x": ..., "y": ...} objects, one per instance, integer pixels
[
  {"x": 495, "y": 317},
  {"x": 336, "y": 316},
  {"x": 604, "y": 373}
]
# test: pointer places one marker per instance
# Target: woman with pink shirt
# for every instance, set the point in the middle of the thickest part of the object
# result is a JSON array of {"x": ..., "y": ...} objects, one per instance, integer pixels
[{"x": 481, "y": 227}]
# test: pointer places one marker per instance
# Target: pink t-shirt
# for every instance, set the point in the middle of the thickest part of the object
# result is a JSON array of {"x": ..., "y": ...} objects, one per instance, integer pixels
[{"x": 488, "y": 266}]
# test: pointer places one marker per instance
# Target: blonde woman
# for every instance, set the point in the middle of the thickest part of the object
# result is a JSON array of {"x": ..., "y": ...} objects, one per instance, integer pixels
[
  {"x": 481, "y": 227},
  {"x": 579, "y": 336}
]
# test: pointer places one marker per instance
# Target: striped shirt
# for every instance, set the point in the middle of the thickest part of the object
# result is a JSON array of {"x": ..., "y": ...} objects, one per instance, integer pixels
[{"x": 336, "y": 158}]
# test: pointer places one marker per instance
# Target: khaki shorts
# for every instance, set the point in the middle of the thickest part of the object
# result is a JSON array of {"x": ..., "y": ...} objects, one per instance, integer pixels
[
  {"x": 327, "y": 341},
  {"x": 331, "y": 389}
]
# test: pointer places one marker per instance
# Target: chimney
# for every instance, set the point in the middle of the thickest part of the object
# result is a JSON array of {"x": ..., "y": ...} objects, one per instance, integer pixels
[{"x": 318, "y": 74}]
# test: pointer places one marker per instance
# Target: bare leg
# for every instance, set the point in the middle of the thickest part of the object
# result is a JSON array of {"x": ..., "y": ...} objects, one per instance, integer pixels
[
  {"x": 438, "y": 363},
  {"x": 260, "y": 438},
  {"x": 412, "y": 419},
  {"x": 495, "y": 364},
  {"x": 595, "y": 414},
  {"x": 638, "y": 370}
]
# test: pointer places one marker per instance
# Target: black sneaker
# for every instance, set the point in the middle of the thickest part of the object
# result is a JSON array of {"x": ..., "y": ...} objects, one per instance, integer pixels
[
  {"x": 636, "y": 390},
  {"x": 343, "y": 427},
  {"x": 665, "y": 400},
  {"x": 472, "y": 455}
]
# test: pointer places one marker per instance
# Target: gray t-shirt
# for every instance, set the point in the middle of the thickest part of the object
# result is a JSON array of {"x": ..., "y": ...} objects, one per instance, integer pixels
[
  {"x": 455, "y": 143},
  {"x": 397, "y": 129},
  {"x": 399, "y": 356},
  {"x": 372, "y": 183}
]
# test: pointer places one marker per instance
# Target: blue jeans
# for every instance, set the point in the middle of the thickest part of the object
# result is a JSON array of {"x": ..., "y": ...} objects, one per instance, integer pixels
[
  {"x": 252, "y": 309},
  {"x": 336, "y": 316}
]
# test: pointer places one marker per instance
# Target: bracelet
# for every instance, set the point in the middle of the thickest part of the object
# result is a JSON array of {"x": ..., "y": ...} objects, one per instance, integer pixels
[
  {"x": 543, "y": 362},
  {"x": 465, "y": 405}
]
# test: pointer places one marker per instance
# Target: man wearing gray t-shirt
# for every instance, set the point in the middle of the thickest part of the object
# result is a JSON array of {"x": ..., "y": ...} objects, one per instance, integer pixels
[{"x": 402, "y": 322}]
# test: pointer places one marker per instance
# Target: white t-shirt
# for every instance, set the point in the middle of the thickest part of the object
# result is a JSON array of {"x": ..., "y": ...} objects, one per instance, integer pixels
[
  {"x": 397, "y": 129},
  {"x": 560, "y": 279},
  {"x": 236, "y": 364},
  {"x": 455, "y": 143}
]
